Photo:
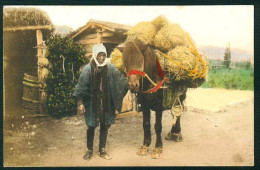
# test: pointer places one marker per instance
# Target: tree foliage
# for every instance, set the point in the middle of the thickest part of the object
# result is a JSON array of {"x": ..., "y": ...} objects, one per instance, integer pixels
[
  {"x": 227, "y": 57},
  {"x": 66, "y": 58}
]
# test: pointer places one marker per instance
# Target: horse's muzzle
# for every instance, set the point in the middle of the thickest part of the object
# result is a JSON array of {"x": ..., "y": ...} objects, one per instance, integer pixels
[
  {"x": 133, "y": 83},
  {"x": 134, "y": 88}
]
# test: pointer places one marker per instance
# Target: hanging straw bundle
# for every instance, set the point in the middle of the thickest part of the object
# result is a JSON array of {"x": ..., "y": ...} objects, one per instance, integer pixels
[
  {"x": 44, "y": 73},
  {"x": 117, "y": 60},
  {"x": 45, "y": 62}
]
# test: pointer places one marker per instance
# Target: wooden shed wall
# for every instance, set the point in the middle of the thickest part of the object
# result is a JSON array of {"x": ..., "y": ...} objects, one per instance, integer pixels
[{"x": 89, "y": 39}]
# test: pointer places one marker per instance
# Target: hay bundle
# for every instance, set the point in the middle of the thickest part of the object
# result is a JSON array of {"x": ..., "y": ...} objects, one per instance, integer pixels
[
  {"x": 159, "y": 22},
  {"x": 117, "y": 59},
  {"x": 184, "y": 63},
  {"x": 183, "y": 56},
  {"x": 170, "y": 36},
  {"x": 177, "y": 54},
  {"x": 143, "y": 31}
]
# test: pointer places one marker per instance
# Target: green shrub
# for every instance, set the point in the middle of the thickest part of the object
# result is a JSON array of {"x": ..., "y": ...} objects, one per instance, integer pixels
[
  {"x": 244, "y": 65},
  {"x": 64, "y": 74}
]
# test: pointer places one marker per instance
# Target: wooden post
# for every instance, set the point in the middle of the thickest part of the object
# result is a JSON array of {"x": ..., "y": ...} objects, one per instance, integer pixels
[
  {"x": 39, "y": 56},
  {"x": 39, "y": 52},
  {"x": 99, "y": 35}
]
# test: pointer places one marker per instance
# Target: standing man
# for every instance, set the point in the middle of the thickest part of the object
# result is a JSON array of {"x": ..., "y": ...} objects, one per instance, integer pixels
[{"x": 99, "y": 92}]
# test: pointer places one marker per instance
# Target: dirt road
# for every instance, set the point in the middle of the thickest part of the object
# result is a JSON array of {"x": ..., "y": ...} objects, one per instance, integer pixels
[{"x": 220, "y": 137}]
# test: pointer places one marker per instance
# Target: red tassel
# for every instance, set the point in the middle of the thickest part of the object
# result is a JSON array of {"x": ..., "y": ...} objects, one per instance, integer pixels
[{"x": 159, "y": 69}]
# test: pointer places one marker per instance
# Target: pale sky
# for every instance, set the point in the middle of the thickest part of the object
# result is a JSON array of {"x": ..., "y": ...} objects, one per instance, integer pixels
[{"x": 207, "y": 25}]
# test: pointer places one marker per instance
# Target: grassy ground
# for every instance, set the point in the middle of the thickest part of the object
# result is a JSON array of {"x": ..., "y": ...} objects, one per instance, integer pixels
[{"x": 241, "y": 78}]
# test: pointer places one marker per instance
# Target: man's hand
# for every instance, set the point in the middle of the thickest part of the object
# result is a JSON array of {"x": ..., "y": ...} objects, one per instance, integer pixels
[{"x": 81, "y": 109}]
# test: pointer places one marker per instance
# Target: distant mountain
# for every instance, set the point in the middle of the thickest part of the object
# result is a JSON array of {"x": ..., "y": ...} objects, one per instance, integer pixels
[
  {"x": 218, "y": 53},
  {"x": 63, "y": 29}
]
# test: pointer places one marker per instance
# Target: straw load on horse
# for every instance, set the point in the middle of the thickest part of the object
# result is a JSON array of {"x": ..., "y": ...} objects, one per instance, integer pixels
[
  {"x": 176, "y": 51},
  {"x": 161, "y": 62}
]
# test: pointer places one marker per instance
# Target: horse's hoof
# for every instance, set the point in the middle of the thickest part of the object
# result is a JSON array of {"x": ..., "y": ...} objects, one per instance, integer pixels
[
  {"x": 156, "y": 153},
  {"x": 177, "y": 137},
  {"x": 143, "y": 151}
]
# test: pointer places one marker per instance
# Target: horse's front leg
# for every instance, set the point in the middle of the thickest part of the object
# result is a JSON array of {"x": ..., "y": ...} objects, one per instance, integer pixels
[
  {"x": 156, "y": 153},
  {"x": 143, "y": 150},
  {"x": 158, "y": 129},
  {"x": 147, "y": 127}
]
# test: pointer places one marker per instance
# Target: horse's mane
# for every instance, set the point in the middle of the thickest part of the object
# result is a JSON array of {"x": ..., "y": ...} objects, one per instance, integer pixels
[
  {"x": 150, "y": 66},
  {"x": 132, "y": 57}
]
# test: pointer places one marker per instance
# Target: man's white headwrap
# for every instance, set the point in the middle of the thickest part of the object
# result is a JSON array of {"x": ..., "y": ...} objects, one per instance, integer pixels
[{"x": 97, "y": 49}]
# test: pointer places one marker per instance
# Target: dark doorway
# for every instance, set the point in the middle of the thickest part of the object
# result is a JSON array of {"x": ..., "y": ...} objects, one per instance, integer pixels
[{"x": 110, "y": 47}]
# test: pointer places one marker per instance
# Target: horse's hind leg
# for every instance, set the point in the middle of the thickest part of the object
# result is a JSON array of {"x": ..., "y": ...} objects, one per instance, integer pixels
[
  {"x": 175, "y": 133},
  {"x": 177, "y": 127}
]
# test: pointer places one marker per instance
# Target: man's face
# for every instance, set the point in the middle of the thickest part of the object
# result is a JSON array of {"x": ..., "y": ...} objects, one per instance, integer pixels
[{"x": 101, "y": 58}]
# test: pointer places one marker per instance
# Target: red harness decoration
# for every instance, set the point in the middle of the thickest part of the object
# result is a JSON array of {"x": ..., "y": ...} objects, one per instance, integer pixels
[
  {"x": 135, "y": 72},
  {"x": 156, "y": 87},
  {"x": 160, "y": 73},
  {"x": 159, "y": 69}
]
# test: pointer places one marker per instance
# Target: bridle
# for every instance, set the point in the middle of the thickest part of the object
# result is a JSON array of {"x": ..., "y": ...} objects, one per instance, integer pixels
[{"x": 143, "y": 74}]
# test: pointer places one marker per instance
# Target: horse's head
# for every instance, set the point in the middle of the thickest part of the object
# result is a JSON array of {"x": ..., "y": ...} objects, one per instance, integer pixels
[
  {"x": 138, "y": 57},
  {"x": 133, "y": 59}
]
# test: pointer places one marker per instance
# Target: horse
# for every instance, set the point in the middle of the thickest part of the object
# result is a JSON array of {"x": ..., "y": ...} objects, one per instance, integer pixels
[{"x": 140, "y": 59}]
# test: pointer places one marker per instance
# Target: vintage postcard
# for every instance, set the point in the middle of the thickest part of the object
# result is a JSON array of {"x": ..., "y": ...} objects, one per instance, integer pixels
[{"x": 102, "y": 86}]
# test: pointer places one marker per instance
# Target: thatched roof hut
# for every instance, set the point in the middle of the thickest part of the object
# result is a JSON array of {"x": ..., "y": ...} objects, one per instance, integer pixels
[{"x": 24, "y": 32}]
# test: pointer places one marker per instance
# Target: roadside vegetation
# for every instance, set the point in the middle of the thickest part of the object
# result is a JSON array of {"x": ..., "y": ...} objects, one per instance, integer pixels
[{"x": 241, "y": 77}]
